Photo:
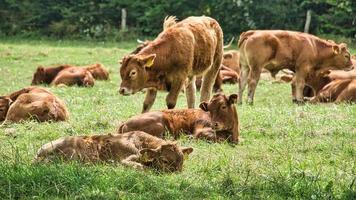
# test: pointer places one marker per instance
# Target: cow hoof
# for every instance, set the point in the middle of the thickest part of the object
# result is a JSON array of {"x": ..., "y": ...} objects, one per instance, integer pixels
[
  {"x": 250, "y": 103},
  {"x": 171, "y": 105},
  {"x": 299, "y": 103}
]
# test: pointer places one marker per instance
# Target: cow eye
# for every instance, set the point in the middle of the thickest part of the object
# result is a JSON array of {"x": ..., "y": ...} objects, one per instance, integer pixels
[
  {"x": 223, "y": 107},
  {"x": 133, "y": 74},
  {"x": 347, "y": 56}
]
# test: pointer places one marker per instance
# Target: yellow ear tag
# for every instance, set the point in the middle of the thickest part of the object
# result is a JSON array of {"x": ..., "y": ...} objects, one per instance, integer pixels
[
  {"x": 145, "y": 158},
  {"x": 149, "y": 63}
]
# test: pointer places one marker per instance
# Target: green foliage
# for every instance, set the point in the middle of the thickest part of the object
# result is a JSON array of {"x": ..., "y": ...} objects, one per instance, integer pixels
[
  {"x": 287, "y": 152},
  {"x": 101, "y": 18}
]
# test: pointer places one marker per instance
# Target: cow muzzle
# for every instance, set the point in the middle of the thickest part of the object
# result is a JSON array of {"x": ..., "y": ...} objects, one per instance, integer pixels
[{"x": 125, "y": 91}]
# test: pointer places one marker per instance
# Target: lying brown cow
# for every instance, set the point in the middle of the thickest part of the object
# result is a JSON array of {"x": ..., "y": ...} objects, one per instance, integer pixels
[
  {"x": 188, "y": 48},
  {"x": 98, "y": 71},
  {"x": 229, "y": 70},
  {"x": 74, "y": 76},
  {"x": 134, "y": 149},
  {"x": 276, "y": 50},
  {"x": 215, "y": 121},
  {"x": 47, "y": 75},
  {"x": 32, "y": 102},
  {"x": 339, "y": 90}
]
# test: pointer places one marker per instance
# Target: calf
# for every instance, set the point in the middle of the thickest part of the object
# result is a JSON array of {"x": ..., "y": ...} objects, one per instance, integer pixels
[
  {"x": 134, "y": 149},
  {"x": 74, "y": 76},
  {"x": 32, "y": 102},
  {"x": 215, "y": 121},
  {"x": 98, "y": 71},
  {"x": 275, "y": 50},
  {"x": 47, "y": 75},
  {"x": 340, "y": 90},
  {"x": 181, "y": 51}
]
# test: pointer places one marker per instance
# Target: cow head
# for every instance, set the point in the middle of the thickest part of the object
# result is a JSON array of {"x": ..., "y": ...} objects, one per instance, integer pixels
[
  {"x": 340, "y": 58},
  {"x": 168, "y": 157},
  {"x": 223, "y": 113},
  {"x": 4, "y": 107},
  {"x": 133, "y": 72},
  {"x": 39, "y": 76}
]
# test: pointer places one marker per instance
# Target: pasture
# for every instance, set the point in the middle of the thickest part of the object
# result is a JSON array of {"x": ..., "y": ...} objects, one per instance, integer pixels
[{"x": 288, "y": 151}]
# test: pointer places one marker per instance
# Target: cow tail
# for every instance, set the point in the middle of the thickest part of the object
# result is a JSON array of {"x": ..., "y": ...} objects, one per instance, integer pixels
[{"x": 169, "y": 21}]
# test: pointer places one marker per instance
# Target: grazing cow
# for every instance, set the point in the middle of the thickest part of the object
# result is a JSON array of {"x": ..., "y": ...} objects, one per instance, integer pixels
[
  {"x": 98, "y": 71},
  {"x": 339, "y": 90},
  {"x": 276, "y": 50},
  {"x": 135, "y": 149},
  {"x": 188, "y": 48},
  {"x": 32, "y": 102},
  {"x": 74, "y": 76},
  {"x": 231, "y": 61},
  {"x": 47, "y": 75},
  {"x": 215, "y": 121}
]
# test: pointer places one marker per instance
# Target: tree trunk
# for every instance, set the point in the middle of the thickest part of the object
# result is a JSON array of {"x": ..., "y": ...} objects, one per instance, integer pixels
[
  {"x": 123, "y": 19},
  {"x": 307, "y": 22}
]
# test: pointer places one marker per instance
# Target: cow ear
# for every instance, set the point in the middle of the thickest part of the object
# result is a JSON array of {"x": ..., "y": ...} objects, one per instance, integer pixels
[
  {"x": 204, "y": 106},
  {"x": 187, "y": 150},
  {"x": 40, "y": 69},
  {"x": 149, "y": 60},
  {"x": 227, "y": 55},
  {"x": 336, "y": 49},
  {"x": 233, "y": 99},
  {"x": 148, "y": 154}
]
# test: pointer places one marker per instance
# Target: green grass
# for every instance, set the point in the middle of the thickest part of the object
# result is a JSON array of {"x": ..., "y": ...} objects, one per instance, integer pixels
[{"x": 288, "y": 151}]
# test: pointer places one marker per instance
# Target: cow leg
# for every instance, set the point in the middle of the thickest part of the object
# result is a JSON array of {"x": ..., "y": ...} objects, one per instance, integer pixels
[
  {"x": 253, "y": 79},
  {"x": 242, "y": 81},
  {"x": 172, "y": 96},
  {"x": 190, "y": 92},
  {"x": 149, "y": 99},
  {"x": 131, "y": 161},
  {"x": 299, "y": 88}
]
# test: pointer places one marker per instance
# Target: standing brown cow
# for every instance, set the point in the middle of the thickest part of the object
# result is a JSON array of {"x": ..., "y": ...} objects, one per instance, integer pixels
[
  {"x": 188, "y": 48},
  {"x": 276, "y": 50}
]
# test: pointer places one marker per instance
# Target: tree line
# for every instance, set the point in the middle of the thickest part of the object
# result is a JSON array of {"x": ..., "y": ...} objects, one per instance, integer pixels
[{"x": 102, "y": 18}]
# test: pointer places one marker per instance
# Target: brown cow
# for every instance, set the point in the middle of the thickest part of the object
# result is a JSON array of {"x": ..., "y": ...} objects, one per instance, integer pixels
[
  {"x": 339, "y": 90},
  {"x": 32, "y": 102},
  {"x": 47, "y": 75},
  {"x": 215, "y": 121},
  {"x": 98, "y": 71},
  {"x": 188, "y": 48},
  {"x": 134, "y": 149},
  {"x": 74, "y": 76},
  {"x": 229, "y": 70},
  {"x": 276, "y": 50}
]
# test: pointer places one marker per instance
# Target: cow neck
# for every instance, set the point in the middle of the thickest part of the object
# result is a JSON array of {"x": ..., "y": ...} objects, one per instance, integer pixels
[
  {"x": 158, "y": 47},
  {"x": 324, "y": 50}
]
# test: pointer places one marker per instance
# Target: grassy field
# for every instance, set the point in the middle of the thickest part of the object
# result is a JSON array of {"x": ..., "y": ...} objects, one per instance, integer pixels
[{"x": 288, "y": 151}]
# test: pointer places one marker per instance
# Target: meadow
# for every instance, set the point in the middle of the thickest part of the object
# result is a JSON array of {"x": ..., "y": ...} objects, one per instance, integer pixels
[{"x": 287, "y": 152}]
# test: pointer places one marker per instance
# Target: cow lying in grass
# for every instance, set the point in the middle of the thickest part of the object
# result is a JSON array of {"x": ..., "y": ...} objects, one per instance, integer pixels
[
  {"x": 134, "y": 149},
  {"x": 74, "y": 76},
  {"x": 339, "y": 90},
  {"x": 215, "y": 121},
  {"x": 32, "y": 102},
  {"x": 70, "y": 75}
]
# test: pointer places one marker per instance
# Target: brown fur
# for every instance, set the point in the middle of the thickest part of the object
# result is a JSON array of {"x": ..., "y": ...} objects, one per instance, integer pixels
[
  {"x": 217, "y": 120},
  {"x": 32, "y": 102},
  {"x": 276, "y": 50},
  {"x": 98, "y": 71},
  {"x": 340, "y": 90},
  {"x": 188, "y": 48},
  {"x": 134, "y": 149},
  {"x": 74, "y": 76},
  {"x": 47, "y": 75}
]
